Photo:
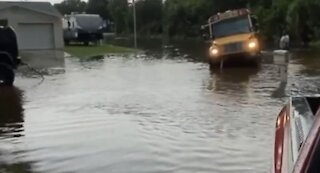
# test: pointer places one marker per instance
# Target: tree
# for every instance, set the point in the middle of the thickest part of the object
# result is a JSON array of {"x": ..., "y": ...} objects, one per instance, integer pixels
[
  {"x": 119, "y": 11},
  {"x": 68, "y": 6},
  {"x": 99, "y": 7},
  {"x": 302, "y": 19},
  {"x": 149, "y": 15},
  {"x": 184, "y": 17}
]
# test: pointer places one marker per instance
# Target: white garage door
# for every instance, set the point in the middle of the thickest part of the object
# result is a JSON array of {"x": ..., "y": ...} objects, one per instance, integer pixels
[{"x": 35, "y": 36}]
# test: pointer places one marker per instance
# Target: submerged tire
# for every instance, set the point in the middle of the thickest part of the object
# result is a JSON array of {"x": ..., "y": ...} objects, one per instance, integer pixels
[
  {"x": 256, "y": 61},
  {"x": 214, "y": 64},
  {"x": 6, "y": 75},
  {"x": 6, "y": 58}
]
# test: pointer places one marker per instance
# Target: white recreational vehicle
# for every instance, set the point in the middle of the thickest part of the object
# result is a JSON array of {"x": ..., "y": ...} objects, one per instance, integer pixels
[{"x": 83, "y": 28}]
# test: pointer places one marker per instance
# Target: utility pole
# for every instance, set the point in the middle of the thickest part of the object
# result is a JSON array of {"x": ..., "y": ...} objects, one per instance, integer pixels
[{"x": 134, "y": 24}]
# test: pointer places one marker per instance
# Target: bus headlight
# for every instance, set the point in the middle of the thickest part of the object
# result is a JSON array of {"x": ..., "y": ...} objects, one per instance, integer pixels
[
  {"x": 214, "y": 51},
  {"x": 252, "y": 44}
]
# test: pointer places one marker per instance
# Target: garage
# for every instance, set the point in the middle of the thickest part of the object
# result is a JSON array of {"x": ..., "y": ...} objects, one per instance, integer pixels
[
  {"x": 41, "y": 39},
  {"x": 38, "y": 25}
]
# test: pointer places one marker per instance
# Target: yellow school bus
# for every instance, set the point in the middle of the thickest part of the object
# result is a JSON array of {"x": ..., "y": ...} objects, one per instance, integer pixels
[{"x": 234, "y": 37}]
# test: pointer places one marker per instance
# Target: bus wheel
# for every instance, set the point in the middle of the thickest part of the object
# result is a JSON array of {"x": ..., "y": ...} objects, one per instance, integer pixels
[{"x": 6, "y": 75}]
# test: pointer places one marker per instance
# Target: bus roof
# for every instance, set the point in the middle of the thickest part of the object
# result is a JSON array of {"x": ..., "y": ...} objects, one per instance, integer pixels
[{"x": 228, "y": 14}]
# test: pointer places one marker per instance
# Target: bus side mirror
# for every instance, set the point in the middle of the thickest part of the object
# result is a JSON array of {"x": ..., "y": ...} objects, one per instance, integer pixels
[
  {"x": 204, "y": 33},
  {"x": 255, "y": 23}
]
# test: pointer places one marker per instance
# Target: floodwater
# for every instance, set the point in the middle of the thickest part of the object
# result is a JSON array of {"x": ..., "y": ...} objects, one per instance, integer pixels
[{"x": 161, "y": 110}]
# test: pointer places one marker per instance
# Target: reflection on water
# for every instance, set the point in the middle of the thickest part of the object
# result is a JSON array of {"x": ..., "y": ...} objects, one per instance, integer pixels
[
  {"x": 150, "y": 115},
  {"x": 93, "y": 58},
  {"x": 11, "y": 129},
  {"x": 231, "y": 79},
  {"x": 44, "y": 58},
  {"x": 309, "y": 62},
  {"x": 304, "y": 73},
  {"x": 280, "y": 92},
  {"x": 159, "y": 111},
  {"x": 16, "y": 168},
  {"x": 190, "y": 49},
  {"x": 11, "y": 114}
]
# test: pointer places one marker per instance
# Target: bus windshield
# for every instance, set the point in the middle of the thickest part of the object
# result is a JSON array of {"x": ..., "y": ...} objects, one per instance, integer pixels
[{"x": 232, "y": 26}]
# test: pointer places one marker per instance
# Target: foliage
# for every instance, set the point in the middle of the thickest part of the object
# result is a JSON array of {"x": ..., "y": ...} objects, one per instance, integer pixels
[
  {"x": 298, "y": 17},
  {"x": 302, "y": 19},
  {"x": 98, "y": 7},
  {"x": 68, "y": 6},
  {"x": 119, "y": 11},
  {"x": 184, "y": 17},
  {"x": 149, "y": 15}
]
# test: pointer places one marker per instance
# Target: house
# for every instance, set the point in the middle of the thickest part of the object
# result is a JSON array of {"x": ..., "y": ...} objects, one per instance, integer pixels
[{"x": 38, "y": 25}]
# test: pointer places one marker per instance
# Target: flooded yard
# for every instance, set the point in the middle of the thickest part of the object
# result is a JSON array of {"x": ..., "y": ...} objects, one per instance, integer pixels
[{"x": 159, "y": 111}]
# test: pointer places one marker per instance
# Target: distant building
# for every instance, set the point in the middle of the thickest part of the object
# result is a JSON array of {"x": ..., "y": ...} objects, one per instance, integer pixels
[{"x": 37, "y": 24}]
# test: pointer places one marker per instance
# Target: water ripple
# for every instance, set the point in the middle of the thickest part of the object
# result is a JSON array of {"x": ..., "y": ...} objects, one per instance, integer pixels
[{"x": 148, "y": 113}]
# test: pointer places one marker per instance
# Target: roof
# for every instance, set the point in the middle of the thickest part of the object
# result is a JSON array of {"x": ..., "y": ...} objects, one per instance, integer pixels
[
  {"x": 228, "y": 15},
  {"x": 40, "y": 7}
]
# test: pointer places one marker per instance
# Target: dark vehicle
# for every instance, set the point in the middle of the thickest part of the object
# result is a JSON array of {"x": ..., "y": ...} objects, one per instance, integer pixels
[
  {"x": 8, "y": 55},
  {"x": 297, "y": 137},
  {"x": 83, "y": 28}
]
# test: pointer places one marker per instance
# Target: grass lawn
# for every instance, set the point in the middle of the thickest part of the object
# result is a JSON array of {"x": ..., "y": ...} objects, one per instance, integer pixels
[{"x": 88, "y": 51}]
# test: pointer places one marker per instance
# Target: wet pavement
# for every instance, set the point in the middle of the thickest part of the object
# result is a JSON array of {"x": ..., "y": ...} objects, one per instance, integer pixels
[{"x": 159, "y": 111}]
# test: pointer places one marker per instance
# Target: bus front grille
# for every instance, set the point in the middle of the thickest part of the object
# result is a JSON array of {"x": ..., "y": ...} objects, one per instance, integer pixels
[{"x": 233, "y": 47}]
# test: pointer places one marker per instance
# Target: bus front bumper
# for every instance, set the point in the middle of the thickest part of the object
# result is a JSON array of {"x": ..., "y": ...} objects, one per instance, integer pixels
[{"x": 237, "y": 57}]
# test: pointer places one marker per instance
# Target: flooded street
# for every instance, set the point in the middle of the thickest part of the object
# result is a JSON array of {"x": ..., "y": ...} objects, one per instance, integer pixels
[{"x": 159, "y": 111}]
